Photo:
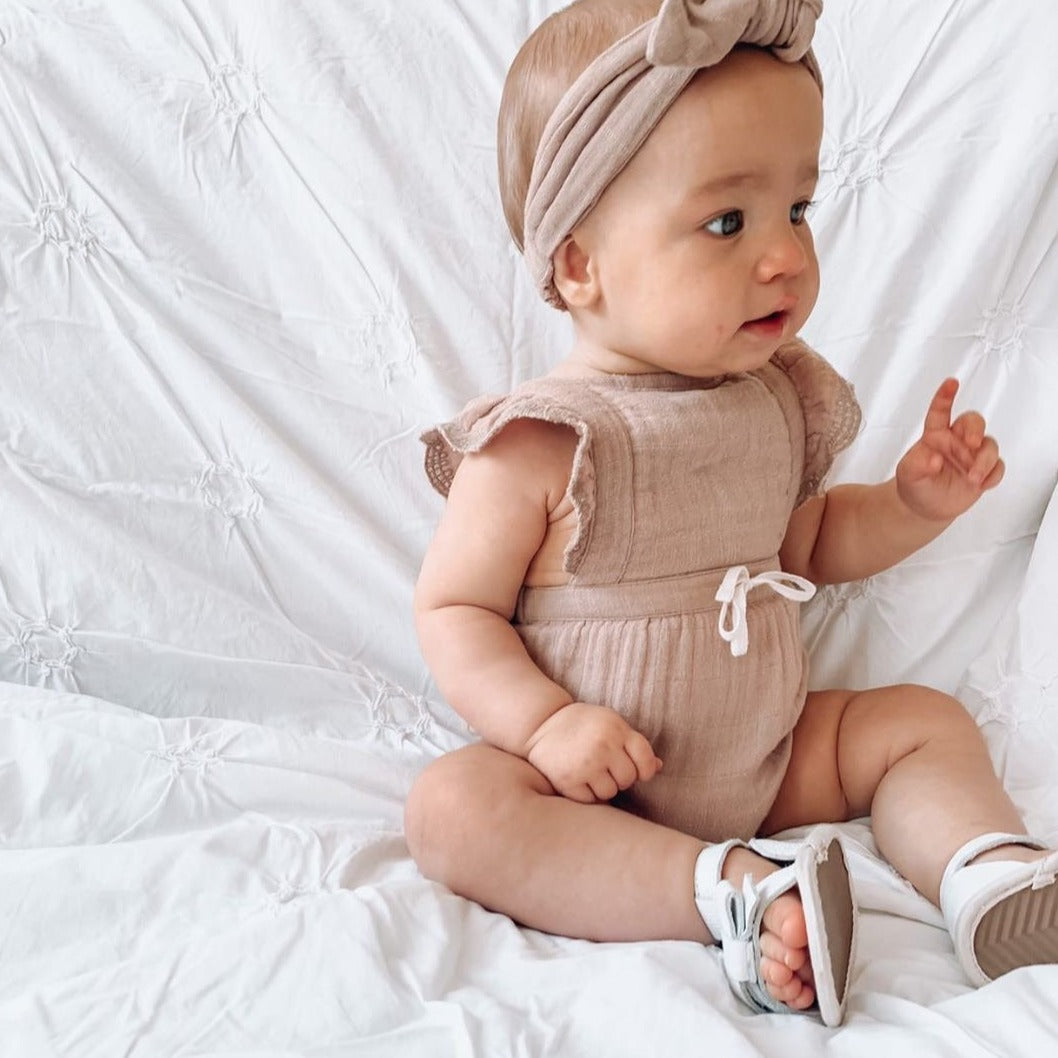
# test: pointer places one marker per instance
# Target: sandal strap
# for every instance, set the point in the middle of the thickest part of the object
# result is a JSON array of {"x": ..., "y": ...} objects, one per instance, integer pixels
[
  {"x": 739, "y": 936},
  {"x": 707, "y": 884},
  {"x": 985, "y": 843}
]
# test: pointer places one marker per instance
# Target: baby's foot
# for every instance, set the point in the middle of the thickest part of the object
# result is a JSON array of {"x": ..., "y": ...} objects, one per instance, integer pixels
[
  {"x": 784, "y": 963},
  {"x": 1002, "y": 910}
]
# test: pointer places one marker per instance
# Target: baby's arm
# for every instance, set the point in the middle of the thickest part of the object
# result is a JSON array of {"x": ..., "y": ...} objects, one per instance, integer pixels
[
  {"x": 493, "y": 524},
  {"x": 855, "y": 531},
  {"x": 495, "y": 520}
]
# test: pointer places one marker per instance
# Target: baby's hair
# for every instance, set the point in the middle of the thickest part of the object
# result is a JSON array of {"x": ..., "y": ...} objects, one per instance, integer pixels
[{"x": 553, "y": 57}]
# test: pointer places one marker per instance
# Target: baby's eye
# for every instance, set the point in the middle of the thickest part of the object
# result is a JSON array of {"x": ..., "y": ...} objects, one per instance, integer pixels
[
  {"x": 727, "y": 224},
  {"x": 799, "y": 210}
]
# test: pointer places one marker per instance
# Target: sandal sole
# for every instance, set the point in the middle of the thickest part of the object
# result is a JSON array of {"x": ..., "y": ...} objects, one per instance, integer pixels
[
  {"x": 1021, "y": 930},
  {"x": 836, "y": 915}
]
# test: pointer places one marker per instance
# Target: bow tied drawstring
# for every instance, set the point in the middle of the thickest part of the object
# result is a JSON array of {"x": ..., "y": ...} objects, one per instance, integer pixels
[{"x": 735, "y": 586}]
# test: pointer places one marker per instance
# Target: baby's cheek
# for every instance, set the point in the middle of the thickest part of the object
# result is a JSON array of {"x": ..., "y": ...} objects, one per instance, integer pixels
[{"x": 810, "y": 289}]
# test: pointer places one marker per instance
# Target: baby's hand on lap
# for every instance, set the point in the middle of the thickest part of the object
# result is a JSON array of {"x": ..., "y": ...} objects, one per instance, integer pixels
[{"x": 589, "y": 753}]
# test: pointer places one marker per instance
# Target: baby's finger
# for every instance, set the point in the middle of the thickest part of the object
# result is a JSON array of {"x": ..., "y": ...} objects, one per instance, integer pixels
[
  {"x": 952, "y": 448},
  {"x": 994, "y": 477},
  {"x": 928, "y": 457},
  {"x": 623, "y": 771},
  {"x": 938, "y": 415},
  {"x": 970, "y": 429},
  {"x": 642, "y": 754},
  {"x": 985, "y": 461},
  {"x": 581, "y": 793},
  {"x": 604, "y": 787}
]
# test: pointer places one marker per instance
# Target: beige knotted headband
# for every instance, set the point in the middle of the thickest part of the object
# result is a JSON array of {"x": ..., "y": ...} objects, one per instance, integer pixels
[{"x": 608, "y": 112}]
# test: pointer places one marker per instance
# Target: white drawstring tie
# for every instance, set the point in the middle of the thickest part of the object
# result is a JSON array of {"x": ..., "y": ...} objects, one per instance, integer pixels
[{"x": 732, "y": 593}]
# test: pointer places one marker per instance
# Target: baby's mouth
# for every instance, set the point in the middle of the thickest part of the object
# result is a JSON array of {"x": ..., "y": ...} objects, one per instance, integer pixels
[{"x": 767, "y": 326}]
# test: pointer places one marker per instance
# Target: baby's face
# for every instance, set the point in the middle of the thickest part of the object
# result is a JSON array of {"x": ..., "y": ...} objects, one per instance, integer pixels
[{"x": 703, "y": 253}]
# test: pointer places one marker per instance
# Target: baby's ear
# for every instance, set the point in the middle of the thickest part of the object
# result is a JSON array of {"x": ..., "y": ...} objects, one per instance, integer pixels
[{"x": 575, "y": 277}]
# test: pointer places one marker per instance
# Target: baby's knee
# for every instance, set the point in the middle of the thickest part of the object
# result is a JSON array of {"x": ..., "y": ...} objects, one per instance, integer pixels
[
  {"x": 453, "y": 806},
  {"x": 430, "y": 810},
  {"x": 937, "y": 715}
]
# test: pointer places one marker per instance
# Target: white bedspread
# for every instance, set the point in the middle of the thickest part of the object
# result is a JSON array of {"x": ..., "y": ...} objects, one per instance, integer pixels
[
  {"x": 209, "y": 886},
  {"x": 248, "y": 251}
]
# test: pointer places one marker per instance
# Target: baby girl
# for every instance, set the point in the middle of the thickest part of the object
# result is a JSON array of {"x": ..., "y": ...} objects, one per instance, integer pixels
[{"x": 611, "y": 598}]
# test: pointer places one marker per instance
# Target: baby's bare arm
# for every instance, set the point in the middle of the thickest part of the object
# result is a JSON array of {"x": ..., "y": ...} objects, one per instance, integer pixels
[
  {"x": 855, "y": 531},
  {"x": 494, "y": 523},
  {"x": 852, "y": 532}
]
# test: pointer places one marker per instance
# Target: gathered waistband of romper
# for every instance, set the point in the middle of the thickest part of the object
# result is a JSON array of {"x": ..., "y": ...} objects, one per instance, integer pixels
[{"x": 658, "y": 597}]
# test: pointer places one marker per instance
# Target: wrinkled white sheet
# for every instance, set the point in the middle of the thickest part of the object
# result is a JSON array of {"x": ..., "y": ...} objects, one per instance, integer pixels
[
  {"x": 205, "y": 886},
  {"x": 249, "y": 251},
  {"x": 1012, "y": 688}
]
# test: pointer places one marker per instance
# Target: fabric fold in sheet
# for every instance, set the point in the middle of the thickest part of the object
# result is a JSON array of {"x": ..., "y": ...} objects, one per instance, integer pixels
[
  {"x": 247, "y": 884},
  {"x": 1012, "y": 688}
]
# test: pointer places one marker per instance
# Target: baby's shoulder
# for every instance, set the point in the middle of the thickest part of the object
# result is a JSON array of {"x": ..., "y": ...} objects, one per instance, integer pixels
[{"x": 530, "y": 446}]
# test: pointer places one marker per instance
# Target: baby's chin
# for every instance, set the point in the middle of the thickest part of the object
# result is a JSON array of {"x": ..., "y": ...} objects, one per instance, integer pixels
[{"x": 730, "y": 362}]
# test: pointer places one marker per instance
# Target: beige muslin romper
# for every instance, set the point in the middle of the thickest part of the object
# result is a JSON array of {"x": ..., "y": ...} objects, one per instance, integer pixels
[{"x": 675, "y": 480}]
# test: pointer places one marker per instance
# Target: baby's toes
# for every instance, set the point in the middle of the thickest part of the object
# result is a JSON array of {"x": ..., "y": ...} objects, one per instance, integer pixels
[
  {"x": 786, "y": 972},
  {"x": 775, "y": 974},
  {"x": 785, "y": 985},
  {"x": 804, "y": 997},
  {"x": 772, "y": 947},
  {"x": 785, "y": 917}
]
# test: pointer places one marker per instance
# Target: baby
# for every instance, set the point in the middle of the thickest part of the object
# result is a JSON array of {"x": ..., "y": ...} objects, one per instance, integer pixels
[{"x": 610, "y": 600}]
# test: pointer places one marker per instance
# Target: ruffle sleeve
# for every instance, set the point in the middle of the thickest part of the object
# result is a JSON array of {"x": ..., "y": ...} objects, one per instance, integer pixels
[
  {"x": 831, "y": 412},
  {"x": 447, "y": 443},
  {"x": 484, "y": 417}
]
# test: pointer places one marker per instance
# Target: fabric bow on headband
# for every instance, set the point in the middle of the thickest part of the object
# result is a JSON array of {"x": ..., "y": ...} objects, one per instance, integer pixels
[{"x": 608, "y": 112}]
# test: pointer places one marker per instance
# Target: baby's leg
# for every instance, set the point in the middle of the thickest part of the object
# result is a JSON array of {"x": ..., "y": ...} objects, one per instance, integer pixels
[
  {"x": 490, "y": 827},
  {"x": 911, "y": 758}
]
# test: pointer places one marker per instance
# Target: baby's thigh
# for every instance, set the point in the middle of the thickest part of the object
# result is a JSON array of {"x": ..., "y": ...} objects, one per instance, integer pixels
[
  {"x": 811, "y": 790},
  {"x": 846, "y": 741}
]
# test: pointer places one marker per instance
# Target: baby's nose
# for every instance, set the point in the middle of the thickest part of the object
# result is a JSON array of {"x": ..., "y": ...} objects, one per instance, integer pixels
[{"x": 785, "y": 254}]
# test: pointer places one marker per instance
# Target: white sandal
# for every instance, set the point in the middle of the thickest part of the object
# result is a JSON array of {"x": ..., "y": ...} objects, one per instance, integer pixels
[
  {"x": 1001, "y": 914},
  {"x": 819, "y": 872}
]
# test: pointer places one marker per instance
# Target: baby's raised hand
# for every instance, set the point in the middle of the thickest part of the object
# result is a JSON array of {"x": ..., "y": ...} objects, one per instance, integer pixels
[
  {"x": 948, "y": 468},
  {"x": 588, "y": 753}
]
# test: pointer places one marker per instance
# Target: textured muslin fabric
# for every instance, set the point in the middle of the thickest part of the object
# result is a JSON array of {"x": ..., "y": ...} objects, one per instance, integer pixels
[
  {"x": 611, "y": 108},
  {"x": 676, "y": 480}
]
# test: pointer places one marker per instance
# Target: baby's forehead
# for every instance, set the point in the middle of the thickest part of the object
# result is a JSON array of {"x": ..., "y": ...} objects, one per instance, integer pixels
[
  {"x": 748, "y": 78},
  {"x": 750, "y": 108}
]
